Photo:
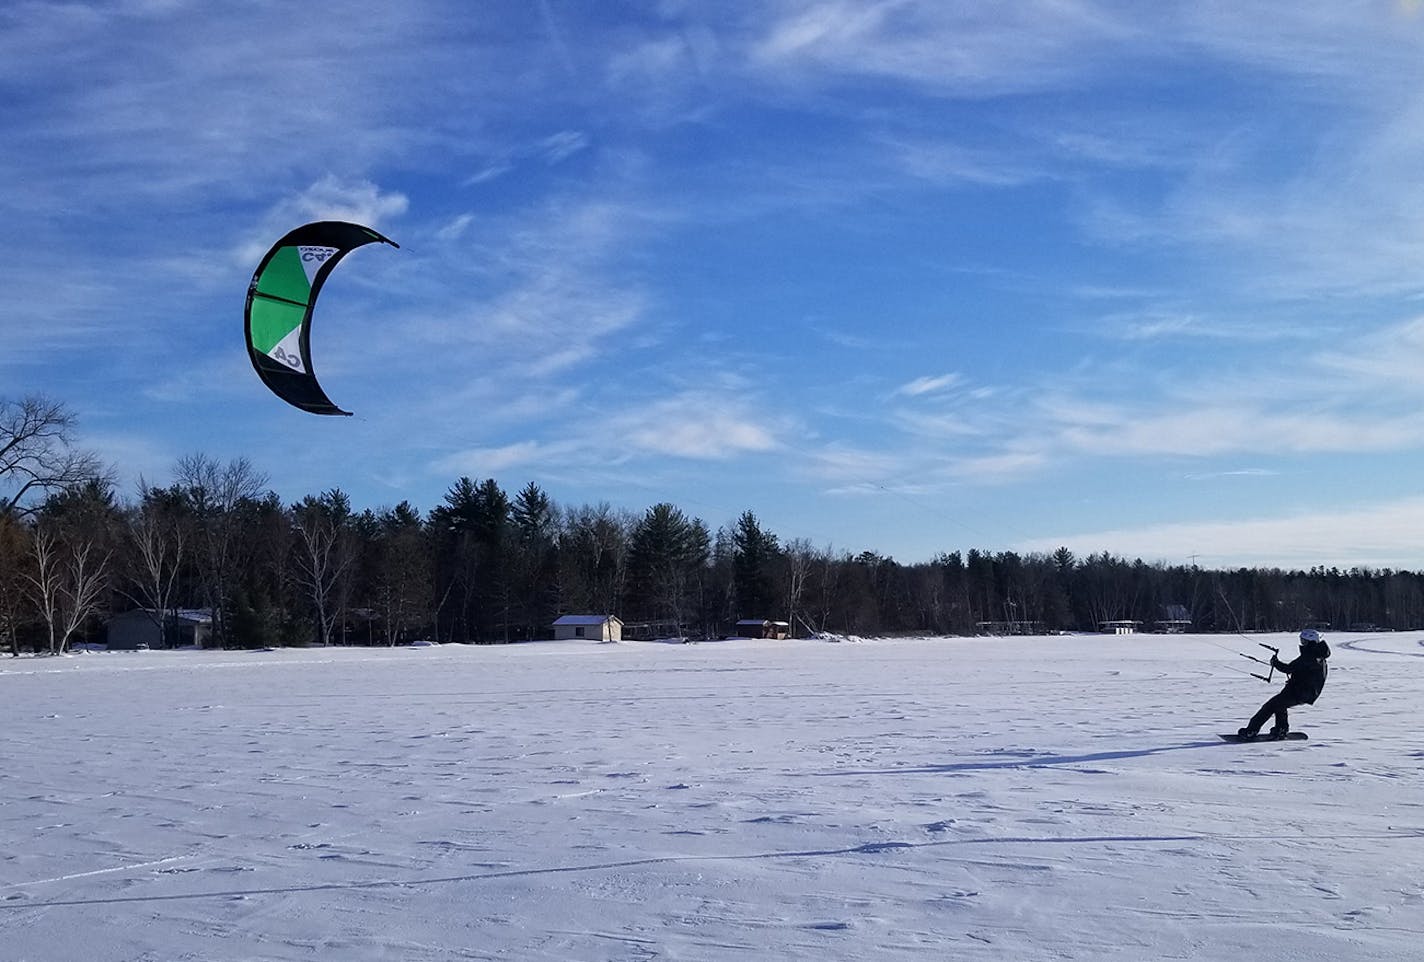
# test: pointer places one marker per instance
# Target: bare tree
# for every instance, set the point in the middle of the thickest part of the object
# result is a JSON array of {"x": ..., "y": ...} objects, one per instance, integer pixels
[
  {"x": 215, "y": 494},
  {"x": 828, "y": 569},
  {"x": 14, "y": 555},
  {"x": 67, "y": 582},
  {"x": 404, "y": 587},
  {"x": 800, "y": 556},
  {"x": 37, "y": 452},
  {"x": 593, "y": 552},
  {"x": 157, "y": 541},
  {"x": 324, "y": 556}
]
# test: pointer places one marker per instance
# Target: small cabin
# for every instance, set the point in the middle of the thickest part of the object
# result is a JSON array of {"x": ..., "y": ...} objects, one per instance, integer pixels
[
  {"x": 1175, "y": 619},
  {"x": 1019, "y": 627},
  {"x": 1120, "y": 627},
  {"x": 595, "y": 627},
  {"x": 144, "y": 628},
  {"x": 653, "y": 630},
  {"x": 762, "y": 628}
]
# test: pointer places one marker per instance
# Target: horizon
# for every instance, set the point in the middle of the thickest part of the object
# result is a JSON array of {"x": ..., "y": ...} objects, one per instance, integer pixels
[{"x": 891, "y": 276}]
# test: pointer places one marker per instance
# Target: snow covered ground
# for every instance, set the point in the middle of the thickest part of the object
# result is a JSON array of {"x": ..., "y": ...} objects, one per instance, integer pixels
[{"x": 1015, "y": 799}]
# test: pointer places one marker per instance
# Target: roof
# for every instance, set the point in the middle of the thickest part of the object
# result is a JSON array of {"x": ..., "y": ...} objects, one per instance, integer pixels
[
  {"x": 759, "y": 621},
  {"x": 197, "y": 616},
  {"x": 585, "y": 620}
]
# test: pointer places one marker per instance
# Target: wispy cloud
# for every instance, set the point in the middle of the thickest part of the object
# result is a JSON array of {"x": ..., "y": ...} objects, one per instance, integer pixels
[
  {"x": 1392, "y": 357},
  {"x": 1238, "y": 473},
  {"x": 699, "y": 425},
  {"x": 1380, "y": 534},
  {"x": 952, "y": 163},
  {"x": 929, "y": 384},
  {"x": 1156, "y": 324},
  {"x": 946, "y": 49},
  {"x": 484, "y": 462}
]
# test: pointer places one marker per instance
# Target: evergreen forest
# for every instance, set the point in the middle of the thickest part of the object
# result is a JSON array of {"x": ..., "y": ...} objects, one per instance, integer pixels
[{"x": 491, "y": 566}]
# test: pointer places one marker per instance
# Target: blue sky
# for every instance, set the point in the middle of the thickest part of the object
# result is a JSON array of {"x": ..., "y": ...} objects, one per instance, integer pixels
[{"x": 895, "y": 275}]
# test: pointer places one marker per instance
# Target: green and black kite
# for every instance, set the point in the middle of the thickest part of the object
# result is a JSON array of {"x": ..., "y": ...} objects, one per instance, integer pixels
[{"x": 280, "y": 300}]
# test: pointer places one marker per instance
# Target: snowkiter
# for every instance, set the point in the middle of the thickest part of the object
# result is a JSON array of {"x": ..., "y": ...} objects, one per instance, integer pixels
[{"x": 1307, "y": 677}]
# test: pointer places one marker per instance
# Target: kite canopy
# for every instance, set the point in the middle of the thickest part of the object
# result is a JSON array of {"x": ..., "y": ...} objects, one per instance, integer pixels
[{"x": 280, "y": 300}]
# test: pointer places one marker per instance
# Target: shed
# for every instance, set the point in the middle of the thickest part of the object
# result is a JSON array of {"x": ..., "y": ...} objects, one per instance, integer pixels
[
  {"x": 1175, "y": 619},
  {"x": 183, "y": 627},
  {"x": 653, "y": 630},
  {"x": 1009, "y": 627},
  {"x": 762, "y": 628},
  {"x": 598, "y": 627}
]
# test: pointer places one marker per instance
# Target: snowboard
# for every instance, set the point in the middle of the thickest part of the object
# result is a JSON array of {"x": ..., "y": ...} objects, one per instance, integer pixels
[{"x": 1265, "y": 737}]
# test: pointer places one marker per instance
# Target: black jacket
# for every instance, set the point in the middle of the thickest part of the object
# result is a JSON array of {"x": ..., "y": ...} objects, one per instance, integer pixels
[{"x": 1307, "y": 673}]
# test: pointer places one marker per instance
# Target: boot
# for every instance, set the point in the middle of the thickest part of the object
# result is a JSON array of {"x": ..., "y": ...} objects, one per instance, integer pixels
[{"x": 1280, "y": 731}]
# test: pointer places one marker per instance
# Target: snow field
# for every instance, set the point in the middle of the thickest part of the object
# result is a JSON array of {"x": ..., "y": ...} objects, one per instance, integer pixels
[{"x": 1015, "y": 799}]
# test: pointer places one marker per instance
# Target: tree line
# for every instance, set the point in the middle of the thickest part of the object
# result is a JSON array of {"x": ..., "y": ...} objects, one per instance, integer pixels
[{"x": 487, "y": 567}]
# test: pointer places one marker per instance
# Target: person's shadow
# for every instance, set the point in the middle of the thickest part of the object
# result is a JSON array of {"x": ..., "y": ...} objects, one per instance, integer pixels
[{"x": 1020, "y": 761}]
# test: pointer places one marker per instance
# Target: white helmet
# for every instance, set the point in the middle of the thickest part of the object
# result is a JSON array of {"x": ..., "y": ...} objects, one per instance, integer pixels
[{"x": 1310, "y": 637}]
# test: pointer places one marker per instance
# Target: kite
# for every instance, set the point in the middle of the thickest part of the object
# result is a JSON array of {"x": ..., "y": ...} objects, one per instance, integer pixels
[{"x": 280, "y": 300}]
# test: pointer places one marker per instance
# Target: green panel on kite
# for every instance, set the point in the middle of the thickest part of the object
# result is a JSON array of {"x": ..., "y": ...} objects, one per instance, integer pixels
[
  {"x": 270, "y": 321},
  {"x": 280, "y": 301},
  {"x": 284, "y": 277}
]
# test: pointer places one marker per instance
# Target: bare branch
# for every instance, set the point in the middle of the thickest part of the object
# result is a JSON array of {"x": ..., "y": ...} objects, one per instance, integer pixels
[{"x": 37, "y": 452}]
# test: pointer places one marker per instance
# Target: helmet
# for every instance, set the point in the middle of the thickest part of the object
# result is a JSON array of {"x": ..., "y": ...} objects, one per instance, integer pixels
[{"x": 1310, "y": 637}]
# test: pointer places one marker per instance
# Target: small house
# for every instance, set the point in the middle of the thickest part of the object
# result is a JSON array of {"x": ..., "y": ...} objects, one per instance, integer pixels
[
  {"x": 762, "y": 628},
  {"x": 1121, "y": 626},
  {"x": 1019, "y": 627},
  {"x": 597, "y": 627},
  {"x": 1175, "y": 619},
  {"x": 140, "y": 628},
  {"x": 653, "y": 630}
]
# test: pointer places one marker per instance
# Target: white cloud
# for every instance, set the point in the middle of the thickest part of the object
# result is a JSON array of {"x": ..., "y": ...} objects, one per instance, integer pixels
[
  {"x": 1216, "y": 430},
  {"x": 949, "y": 49},
  {"x": 939, "y": 425},
  {"x": 455, "y": 228},
  {"x": 1005, "y": 466},
  {"x": 484, "y": 462},
  {"x": 559, "y": 147},
  {"x": 1158, "y": 324},
  {"x": 329, "y": 198},
  {"x": 1392, "y": 357},
  {"x": 1238, "y": 473},
  {"x": 699, "y": 425},
  {"x": 951, "y": 163},
  {"x": 1384, "y": 534},
  {"x": 851, "y": 468},
  {"x": 929, "y": 385}
]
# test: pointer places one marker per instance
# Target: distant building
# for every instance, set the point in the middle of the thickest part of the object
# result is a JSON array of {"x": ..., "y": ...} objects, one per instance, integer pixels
[
  {"x": 597, "y": 627},
  {"x": 1175, "y": 619},
  {"x": 762, "y": 628},
  {"x": 183, "y": 628},
  {"x": 652, "y": 630},
  {"x": 1009, "y": 627},
  {"x": 1122, "y": 626}
]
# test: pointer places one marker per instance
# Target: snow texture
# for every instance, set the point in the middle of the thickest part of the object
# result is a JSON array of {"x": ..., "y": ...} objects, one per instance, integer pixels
[{"x": 1014, "y": 799}]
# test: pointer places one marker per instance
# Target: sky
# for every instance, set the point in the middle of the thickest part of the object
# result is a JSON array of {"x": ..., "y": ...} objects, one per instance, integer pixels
[{"x": 908, "y": 277}]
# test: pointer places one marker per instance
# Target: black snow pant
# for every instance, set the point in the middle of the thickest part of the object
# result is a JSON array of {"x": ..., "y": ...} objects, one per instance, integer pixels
[{"x": 1276, "y": 705}]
